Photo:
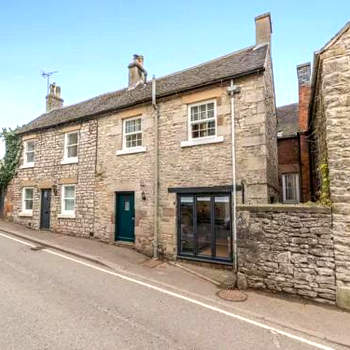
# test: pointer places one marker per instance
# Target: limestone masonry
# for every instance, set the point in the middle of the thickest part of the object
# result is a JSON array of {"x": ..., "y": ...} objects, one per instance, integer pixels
[{"x": 153, "y": 166}]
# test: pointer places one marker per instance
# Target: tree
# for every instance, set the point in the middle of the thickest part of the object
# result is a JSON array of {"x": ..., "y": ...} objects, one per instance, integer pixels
[{"x": 10, "y": 161}]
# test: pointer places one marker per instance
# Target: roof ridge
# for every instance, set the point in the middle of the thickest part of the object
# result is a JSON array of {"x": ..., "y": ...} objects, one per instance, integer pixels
[
  {"x": 160, "y": 78},
  {"x": 207, "y": 62}
]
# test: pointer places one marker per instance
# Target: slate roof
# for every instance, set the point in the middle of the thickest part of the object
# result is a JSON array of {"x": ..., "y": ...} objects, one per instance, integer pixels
[
  {"x": 287, "y": 120},
  {"x": 235, "y": 64}
]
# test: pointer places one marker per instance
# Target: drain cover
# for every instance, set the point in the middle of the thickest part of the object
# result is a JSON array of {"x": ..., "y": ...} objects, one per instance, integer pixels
[{"x": 232, "y": 295}]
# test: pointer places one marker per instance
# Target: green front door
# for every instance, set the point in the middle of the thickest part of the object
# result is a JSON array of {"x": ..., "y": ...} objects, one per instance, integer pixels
[{"x": 125, "y": 218}]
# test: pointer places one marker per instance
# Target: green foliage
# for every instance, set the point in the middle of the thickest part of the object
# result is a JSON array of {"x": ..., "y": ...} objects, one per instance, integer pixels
[
  {"x": 324, "y": 186},
  {"x": 9, "y": 164}
]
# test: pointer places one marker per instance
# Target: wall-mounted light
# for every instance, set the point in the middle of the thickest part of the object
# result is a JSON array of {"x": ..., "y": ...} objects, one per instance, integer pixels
[
  {"x": 143, "y": 195},
  {"x": 54, "y": 189}
]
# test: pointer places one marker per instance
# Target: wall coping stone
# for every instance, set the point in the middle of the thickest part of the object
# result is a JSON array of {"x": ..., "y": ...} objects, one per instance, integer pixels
[{"x": 285, "y": 208}]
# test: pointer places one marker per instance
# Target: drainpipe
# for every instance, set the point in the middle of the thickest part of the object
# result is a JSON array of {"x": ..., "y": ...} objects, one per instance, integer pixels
[
  {"x": 156, "y": 170},
  {"x": 232, "y": 90}
]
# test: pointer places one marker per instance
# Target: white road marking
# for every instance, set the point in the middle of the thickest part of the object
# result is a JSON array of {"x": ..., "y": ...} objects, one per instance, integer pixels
[
  {"x": 179, "y": 296},
  {"x": 18, "y": 240}
]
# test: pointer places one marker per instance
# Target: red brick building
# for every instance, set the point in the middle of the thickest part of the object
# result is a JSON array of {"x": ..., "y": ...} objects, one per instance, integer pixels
[{"x": 293, "y": 145}]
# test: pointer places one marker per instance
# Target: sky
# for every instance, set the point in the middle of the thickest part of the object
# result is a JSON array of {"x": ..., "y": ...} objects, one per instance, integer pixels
[{"x": 90, "y": 43}]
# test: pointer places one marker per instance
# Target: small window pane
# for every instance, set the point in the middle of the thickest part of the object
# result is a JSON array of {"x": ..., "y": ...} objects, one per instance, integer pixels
[
  {"x": 72, "y": 139},
  {"x": 28, "y": 193},
  {"x": 72, "y": 151},
  {"x": 69, "y": 204},
  {"x": 69, "y": 191},
  {"x": 290, "y": 189},
  {"x": 30, "y": 157},
  {"x": 30, "y": 146}
]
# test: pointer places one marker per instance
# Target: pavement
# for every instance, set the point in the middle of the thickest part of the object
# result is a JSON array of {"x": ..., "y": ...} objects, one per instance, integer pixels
[{"x": 72, "y": 296}]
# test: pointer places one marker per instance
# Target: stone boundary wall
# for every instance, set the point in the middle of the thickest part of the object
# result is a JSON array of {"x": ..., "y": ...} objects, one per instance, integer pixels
[{"x": 287, "y": 248}]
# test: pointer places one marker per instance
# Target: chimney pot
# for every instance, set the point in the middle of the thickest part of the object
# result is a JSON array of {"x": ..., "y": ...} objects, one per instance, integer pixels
[
  {"x": 137, "y": 73},
  {"x": 53, "y": 99},
  {"x": 263, "y": 28},
  {"x": 304, "y": 73}
]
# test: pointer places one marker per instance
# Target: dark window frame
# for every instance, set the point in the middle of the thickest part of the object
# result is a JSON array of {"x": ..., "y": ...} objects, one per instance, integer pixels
[{"x": 195, "y": 255}]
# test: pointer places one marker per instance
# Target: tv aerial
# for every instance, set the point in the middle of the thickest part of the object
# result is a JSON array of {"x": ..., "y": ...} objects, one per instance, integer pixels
[{"x": 47, "y": 75}]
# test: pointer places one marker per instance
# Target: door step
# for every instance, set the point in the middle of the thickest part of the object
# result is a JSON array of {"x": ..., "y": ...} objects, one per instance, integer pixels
[{"x": 124, "y": 244}]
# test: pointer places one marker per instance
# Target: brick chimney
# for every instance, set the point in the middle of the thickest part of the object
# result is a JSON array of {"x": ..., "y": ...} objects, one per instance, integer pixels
[
  {"x": 53, "y": 99},
  {"x": 304, "y": 84},
  {"x": 137, "y": 74},
  {"x": 263, "y": 28},
  {"x": 304, "y": 75}
]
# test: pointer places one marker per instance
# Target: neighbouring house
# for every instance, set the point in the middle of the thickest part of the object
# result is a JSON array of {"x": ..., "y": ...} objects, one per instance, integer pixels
[
  {"x": 153, "y": 164},
  {"x": 330, "y": 140},
  {"x": 293, "y": 144}
]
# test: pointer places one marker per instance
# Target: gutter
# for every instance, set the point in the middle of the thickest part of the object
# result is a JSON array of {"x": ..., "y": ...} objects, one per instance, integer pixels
[{"x": 146, "y": 100}]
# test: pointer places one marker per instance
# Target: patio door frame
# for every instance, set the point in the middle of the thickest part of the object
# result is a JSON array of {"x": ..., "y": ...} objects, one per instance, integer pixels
[{"x": 195, "y": 255}]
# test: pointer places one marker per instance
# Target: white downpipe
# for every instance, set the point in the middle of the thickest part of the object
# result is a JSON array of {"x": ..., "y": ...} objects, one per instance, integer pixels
[{"x": 232, "y": 90}]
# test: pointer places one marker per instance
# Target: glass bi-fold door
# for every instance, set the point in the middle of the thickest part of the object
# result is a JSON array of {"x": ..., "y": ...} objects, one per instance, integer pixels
[{"x": 204, "y": 226}]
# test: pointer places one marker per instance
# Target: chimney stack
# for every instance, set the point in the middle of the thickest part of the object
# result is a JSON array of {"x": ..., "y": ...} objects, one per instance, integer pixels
[
  {"x": 304, "y": 84},
  {"x": 263, "y": 28},
  {"x": 137, "y": 74},
  {"x": 53, "y": 99}
]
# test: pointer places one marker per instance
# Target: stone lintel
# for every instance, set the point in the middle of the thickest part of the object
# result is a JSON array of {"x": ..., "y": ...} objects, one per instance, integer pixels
[
  {"x": 45, "y": 184},
  {"x": 28, "y": 183},
  {"x": 29, "y": 137},
  {"x": 203, "y": 95},
  {"x": 68, "y": 180},
  {"x": 70, "y": 128}
]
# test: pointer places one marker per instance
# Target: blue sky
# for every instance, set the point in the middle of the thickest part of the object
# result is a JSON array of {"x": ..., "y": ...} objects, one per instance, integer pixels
[{"x": 91, "y": 43}]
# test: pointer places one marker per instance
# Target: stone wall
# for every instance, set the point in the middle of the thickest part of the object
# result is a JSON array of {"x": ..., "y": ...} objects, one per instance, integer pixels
[
  {"x": 211, "y": 164},
  {"x": 127, "y": 172},
  {"x": 287, "y": 248},
  {"x": 332, "y": 142},
  {"x": 271, "y": 132},
  {"x": 48, "y": 172}
]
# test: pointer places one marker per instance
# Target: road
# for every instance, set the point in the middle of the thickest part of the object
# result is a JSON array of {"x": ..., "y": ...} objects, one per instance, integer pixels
[{"x": 49, "y": 300}]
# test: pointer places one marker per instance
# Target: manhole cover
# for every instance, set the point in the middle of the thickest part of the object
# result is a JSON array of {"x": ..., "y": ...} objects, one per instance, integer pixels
[{"x": 232, "y": 295}]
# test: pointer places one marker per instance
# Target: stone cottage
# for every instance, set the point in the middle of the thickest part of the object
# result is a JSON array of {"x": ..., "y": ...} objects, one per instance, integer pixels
[
  {"x": 158, "y": 164},
  {"x": 293, "y": 143},
  {"x": 330, "y": 139}
]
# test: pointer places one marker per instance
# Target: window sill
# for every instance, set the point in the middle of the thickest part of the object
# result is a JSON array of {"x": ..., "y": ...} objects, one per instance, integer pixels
[
  {"x": 66, "y": 216},
  {"x": 27, "y": 166},
  {"x": 203, "y": 141},
  {"x": 131, "y": 150},
  {"x": 26, "y": 214},
  {"x": 69, "y": 161}
]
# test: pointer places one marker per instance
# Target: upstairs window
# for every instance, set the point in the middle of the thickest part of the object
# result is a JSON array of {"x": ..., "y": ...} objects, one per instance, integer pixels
[
  {"x": 132, "y": 133},
  {"x": 71, "y": 147},
  {"x": 202, "y": 120},
  {"x": 290, "y": 187},
  {"x": 68, "y": 200},
  {"x": 27, "y": 200},
  {"x": 29, "y": 153}
]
